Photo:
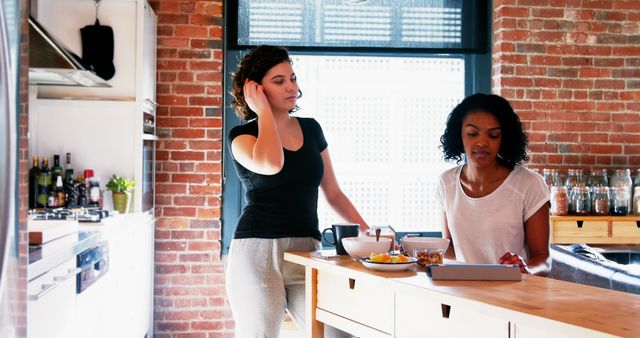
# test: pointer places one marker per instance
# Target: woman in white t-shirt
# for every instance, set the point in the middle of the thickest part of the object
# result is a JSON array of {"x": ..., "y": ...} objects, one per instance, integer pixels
[{"x": 495, "y": 210}]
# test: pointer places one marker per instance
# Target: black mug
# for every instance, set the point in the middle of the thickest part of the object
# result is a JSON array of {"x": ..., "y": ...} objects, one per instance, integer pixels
[{"x": 340, "y": 231}]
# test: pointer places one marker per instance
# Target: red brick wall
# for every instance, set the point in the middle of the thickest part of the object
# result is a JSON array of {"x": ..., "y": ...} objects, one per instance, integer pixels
[
  {"x": 572, "y": 71},
  {"x": 189, "y": 292}
]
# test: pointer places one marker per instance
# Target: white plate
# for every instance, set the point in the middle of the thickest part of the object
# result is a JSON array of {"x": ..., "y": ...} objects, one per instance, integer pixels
[{"x": 380, "y": 266}]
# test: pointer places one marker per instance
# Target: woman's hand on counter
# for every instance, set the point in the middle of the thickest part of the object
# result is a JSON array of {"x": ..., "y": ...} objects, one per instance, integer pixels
[{"x": 511, "y": 258}]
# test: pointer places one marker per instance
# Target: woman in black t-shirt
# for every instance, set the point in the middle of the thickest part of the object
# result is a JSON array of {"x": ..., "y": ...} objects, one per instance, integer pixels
[{"x": 281, "y": 160}]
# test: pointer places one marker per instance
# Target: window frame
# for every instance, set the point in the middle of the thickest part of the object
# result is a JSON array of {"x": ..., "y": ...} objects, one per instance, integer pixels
[{"x": 477, "y": 79}]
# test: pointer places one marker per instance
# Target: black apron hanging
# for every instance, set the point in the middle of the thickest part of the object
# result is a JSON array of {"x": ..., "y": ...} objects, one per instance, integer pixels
[{"x": 97, "y": 48}]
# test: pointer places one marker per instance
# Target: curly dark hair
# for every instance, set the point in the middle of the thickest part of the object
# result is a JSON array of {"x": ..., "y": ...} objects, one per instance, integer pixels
[
  {"x": 253, "y": 66},
  {"x": 513, "y": 148}
]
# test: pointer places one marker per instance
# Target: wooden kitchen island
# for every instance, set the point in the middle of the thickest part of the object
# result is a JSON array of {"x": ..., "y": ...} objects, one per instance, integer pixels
[{"x": 345, "y": 294}]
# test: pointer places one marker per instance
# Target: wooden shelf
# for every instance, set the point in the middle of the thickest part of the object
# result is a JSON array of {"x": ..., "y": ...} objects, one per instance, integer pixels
[
  {"x": 594, "y": 218},
  {"x": 595, "y": 229}
]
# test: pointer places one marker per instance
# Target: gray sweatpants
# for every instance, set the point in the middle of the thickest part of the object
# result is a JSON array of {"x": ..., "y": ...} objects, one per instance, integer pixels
[{"x": 260, "y": 284}]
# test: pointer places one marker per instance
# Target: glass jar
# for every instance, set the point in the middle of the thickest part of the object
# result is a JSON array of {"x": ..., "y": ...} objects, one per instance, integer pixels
[
  {"x": 551, "y": 177},
  {"x": 580, "y": 201},
  {"x": 575, "y": 178},
  {"x": 598, "y": 178},
  {"x": 636, "y": 200},
  {"x": 619, "y": 205},
  {"x": 636, "y": 194},
  {"x": 559, "y": 201},
  {"x": 600, "y": 201},
  {"x": 622, "y": 179}
]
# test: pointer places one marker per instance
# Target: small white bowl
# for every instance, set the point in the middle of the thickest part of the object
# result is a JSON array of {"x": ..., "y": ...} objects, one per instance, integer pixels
[
  {"x": 411, "y": 243},
  {"x": 360, "y": 247}
]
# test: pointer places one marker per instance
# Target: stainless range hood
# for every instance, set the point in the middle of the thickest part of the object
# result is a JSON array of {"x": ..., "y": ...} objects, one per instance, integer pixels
[{"x": 50, "y": 63}]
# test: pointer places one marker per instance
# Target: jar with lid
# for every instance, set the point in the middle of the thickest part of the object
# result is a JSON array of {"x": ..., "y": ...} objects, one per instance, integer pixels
[
  {"x": 559, "y": 201},
  {"x": 551, "y": 177},
  {"x": 600, "y": 201},
  {"x": 622, "y": 179},
  {"x": 598, "y": 178},
  {"x": 580, "y": 201},
  {"x": 575, "y": 178},
  {"x": 619, "y": 205}
]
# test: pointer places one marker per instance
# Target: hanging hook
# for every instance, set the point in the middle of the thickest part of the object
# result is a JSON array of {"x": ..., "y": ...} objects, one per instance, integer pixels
[{"x": 98, "y": 2}]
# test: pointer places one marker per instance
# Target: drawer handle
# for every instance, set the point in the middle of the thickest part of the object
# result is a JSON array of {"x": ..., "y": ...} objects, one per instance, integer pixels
[
  {"x": 579, "y": 224},
  {"x": 72, "y": 273},
  {"x": 446, "y": 310},
  {"x": 637, "y": 224},
  {"x": 352, "y": 283},
  {"x": 46, "y": 288}
]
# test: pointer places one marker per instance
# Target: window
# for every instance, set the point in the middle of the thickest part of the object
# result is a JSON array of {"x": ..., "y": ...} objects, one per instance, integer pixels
[
  {"x": 383, "y": 117},
  {"x": 382, "y": 107}
]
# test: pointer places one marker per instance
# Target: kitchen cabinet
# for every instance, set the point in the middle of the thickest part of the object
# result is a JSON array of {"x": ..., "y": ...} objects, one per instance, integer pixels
[
  {"x": 51, "y": 307},
  {"x": 418, "y": 307},
  {"x": 106, "y": 135},
  {"x": 595, "y": 229},
  {"x": 134, "y": 31},
  {"x": 351, "y": 297},
  {"x": 124, "y": 296}
]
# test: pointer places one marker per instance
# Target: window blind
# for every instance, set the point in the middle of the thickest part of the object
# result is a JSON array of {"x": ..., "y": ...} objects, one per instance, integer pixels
[{"x": 450, "y": 25}]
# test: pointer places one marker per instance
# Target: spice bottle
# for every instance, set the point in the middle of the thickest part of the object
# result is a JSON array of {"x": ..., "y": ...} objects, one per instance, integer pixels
[{"x": 559, "y": 201}]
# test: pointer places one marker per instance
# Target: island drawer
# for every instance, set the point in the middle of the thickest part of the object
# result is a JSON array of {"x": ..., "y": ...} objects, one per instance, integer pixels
[
  {"x": 422, "y": 313},
  {"x": 627, "y": 228},
  {"x": 568, "y": 231},
  {"x": 368, "y": 301}
]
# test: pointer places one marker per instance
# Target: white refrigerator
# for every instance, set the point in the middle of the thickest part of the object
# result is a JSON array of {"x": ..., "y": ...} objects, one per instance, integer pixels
[{"x": 11, "y": 290}]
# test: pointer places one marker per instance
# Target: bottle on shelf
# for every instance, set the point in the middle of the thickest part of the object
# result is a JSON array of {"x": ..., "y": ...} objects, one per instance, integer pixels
[
  {"x": 44, "y": 184},
  {"x": 68, "y": 172},
  {"x": 33, "y": 183},
  {"x": 58, "y": 189},
  {"x": 56, "y": 169},
  {"x": 88, "y": 177}
]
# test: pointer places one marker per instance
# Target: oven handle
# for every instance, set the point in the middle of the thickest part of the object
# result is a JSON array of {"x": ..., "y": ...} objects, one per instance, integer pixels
[
  {"x": 72, "y": 273},
  {"x": 46, "y": 288}
]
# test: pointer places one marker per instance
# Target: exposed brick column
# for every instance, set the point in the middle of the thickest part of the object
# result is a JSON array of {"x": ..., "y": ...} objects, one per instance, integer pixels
[
  {"x": 572, "y": 71},
  {"x": 189, "y": 292}
]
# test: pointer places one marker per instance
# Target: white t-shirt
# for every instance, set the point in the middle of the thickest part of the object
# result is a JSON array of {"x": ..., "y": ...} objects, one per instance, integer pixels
[{"x": 483, "y": 229}]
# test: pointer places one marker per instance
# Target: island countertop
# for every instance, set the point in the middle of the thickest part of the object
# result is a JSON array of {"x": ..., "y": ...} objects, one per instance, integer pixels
[{"x": 538, "y": 304}]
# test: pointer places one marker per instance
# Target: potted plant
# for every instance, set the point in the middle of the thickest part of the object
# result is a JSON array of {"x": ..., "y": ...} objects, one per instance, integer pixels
[{"x": 121, "y": 189}]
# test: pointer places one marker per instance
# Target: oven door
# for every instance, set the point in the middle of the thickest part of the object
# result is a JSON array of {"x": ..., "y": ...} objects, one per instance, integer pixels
[{"x": 148, "y": 172}]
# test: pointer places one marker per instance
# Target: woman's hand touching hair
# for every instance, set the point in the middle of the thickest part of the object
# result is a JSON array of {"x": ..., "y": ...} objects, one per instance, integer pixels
[{"x": 255, "y": 98}]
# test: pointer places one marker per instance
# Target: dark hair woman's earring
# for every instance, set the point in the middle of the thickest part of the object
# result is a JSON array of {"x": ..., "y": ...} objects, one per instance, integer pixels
[{"x": 299, "y": 93}]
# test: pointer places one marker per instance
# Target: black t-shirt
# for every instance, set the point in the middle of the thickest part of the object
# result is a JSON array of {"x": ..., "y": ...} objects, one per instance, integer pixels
[{"x": 284, "y": 204}]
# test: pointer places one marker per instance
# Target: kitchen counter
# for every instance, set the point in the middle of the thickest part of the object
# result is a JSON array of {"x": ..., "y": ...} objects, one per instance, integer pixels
[
  {"x": 345, "y": 294},
  {"x": 49, "y": 255}
]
